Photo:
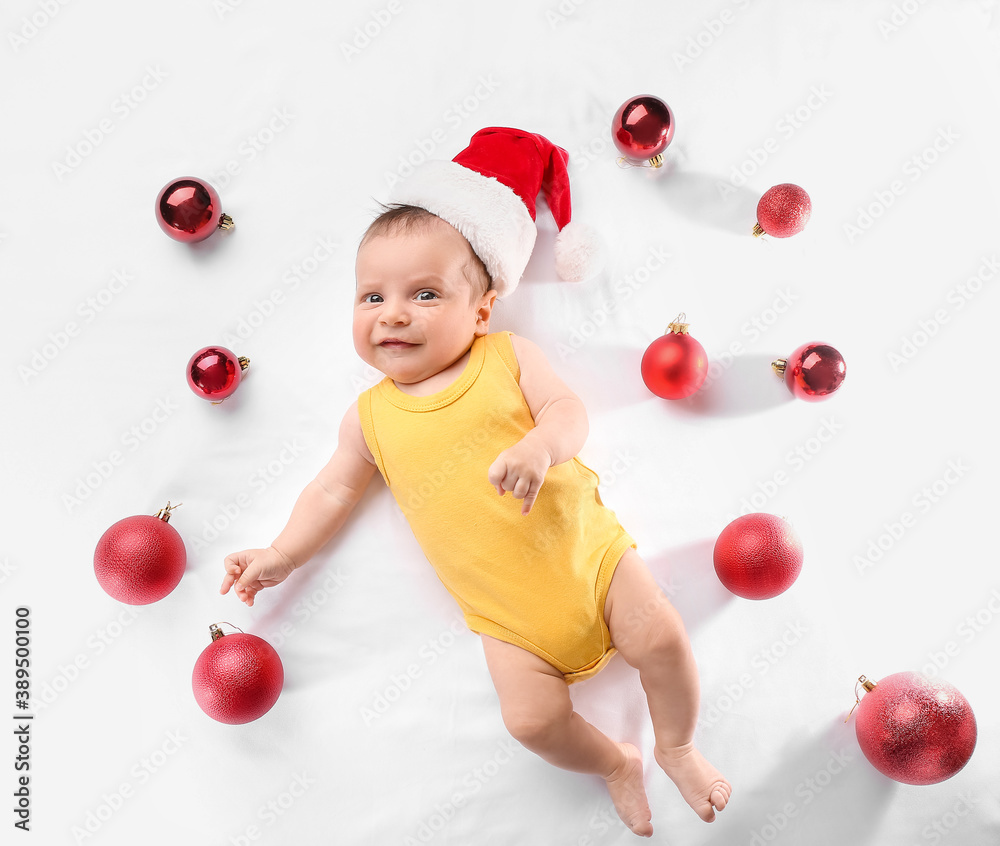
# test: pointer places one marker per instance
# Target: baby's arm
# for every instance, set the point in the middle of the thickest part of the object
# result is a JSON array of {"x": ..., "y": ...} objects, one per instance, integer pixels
[
  {"x": 320, "y": 511},
  {"x": 559, "y": 434}
]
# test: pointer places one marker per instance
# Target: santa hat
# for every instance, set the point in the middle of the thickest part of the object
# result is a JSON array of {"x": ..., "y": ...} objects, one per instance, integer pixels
[{"x": 487, "y": 192}]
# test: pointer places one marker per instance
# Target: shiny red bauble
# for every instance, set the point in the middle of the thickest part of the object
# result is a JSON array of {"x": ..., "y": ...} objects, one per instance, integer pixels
[
  {"x": 782, "y": 211},
  {"x": 214, "y": 373},
  {"x": 812, "y": 372},
  {"x": 674, "y": 366},
  {"x": 140, "y": 559},
  {"x": 915, "y": 730},
  {"x": 188, "y": 209},
  {"x": 642, "y": 128},
  {"x": 758, "y": 556},
  {"x": 237, "y": 678}
]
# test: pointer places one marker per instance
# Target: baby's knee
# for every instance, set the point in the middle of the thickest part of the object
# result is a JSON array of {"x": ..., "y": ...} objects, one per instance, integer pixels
[{"x": 532, "y": 724}]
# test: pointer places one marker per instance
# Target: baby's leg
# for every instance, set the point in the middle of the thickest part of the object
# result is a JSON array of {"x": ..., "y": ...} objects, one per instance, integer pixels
[
  {"x": 648, "y": 632},
  {"x": 538, "y": 712}
]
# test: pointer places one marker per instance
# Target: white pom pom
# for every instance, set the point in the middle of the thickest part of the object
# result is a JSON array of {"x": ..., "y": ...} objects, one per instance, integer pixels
[{"x": 579, "y": 252}]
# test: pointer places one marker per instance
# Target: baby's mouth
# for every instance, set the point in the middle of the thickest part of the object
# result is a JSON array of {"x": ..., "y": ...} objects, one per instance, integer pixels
[{"x": 396, "y": 344}]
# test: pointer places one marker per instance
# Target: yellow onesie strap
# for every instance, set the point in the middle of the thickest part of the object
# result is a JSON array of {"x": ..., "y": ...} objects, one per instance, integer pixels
[
  {"x": 365, "y": 413},
  {"x": 500, "y": 341}
]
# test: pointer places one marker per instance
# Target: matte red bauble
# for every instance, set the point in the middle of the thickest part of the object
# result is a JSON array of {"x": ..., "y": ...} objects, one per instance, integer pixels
[
  {"x": 214, "y": 373},
  {"x": 140, "y": 559},
  {"x": 674, "y": 366},
  {"x": 782, "y": 211},
  {"x": 642, "y": 128},
  {"x": 914, "y": 729},
  {"x": 188, "y": 209},
  {"x": 758, "y": 556},
  {"x": 237, "y": 678},
  {"x": 812, "y": 372}
]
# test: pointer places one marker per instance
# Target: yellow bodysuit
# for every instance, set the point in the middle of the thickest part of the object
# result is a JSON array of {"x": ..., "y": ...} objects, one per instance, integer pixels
[{"x": 538, "y": 581}]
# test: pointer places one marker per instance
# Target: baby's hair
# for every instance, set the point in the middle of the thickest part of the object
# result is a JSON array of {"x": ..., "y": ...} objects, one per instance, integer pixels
[{"x": 400, "y": 217}]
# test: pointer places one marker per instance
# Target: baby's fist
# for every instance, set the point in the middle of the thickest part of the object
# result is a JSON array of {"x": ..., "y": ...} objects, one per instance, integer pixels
[
  {"x": 252, "y": 570},
  {"x": 521, "y": 470}
]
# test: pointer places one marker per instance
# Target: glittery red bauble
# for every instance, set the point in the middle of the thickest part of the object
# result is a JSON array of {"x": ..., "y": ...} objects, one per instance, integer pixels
[
  {"x": 237, "y": 678},
  {"x": 215, "y": 372},
  {"x": 674, "y": 366},
  {"x": 783, "y": 211},
  {"x": 642, "y": 128},
  {"x": 916, "y": 730},
  {"x": 140, "y": 559},
  {"x": 813, "y": 371},
  {"x": 758, "y": 556},
  {"x": 189, "y": 209}
]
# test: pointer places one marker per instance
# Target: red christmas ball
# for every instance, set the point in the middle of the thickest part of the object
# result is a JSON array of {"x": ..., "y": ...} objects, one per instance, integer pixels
[
  {"x": 674, "y": 366},
  {"x": 782, "y": 211},
  {"x": 758, "y": 556},
  {"x": 188, "y": 209},
  {"x": 140, "y": 559},
  {"x": 237, "y": 678},
  {"x": 813, "y": 371},
  {"x": 642, "y": 128},
  {"x": 214, "y": 373},
  {"x": 915, "y": 730}
]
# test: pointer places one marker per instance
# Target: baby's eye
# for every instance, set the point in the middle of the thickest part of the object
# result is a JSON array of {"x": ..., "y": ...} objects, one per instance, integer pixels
[
  {"x": 368, "y": 298},
  {"x": 426, "y": 295}
]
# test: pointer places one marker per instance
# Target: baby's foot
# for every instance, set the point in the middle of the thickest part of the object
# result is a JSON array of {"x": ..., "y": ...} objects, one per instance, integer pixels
[
  {"x": 703, "y": 787},
  {"x": 628, "y": 793}
]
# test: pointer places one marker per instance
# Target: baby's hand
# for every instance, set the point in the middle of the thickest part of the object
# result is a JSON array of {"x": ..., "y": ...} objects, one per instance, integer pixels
[
  {"x": 252, "y": 570},
  {"x": 521, "y": 470}
]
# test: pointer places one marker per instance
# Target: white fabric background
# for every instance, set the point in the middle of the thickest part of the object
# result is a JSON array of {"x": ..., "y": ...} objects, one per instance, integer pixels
[{"x": 301, "y": 137}]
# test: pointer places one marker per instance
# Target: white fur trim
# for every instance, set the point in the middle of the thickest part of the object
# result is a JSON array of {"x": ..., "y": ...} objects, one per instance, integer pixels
[
  {"x": 579, "y": 252},
  {"x": 493, "y": 219}
]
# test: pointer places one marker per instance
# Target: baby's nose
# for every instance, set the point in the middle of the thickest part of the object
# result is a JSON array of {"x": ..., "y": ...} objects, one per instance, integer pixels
[{"x": 394, "y": 312}]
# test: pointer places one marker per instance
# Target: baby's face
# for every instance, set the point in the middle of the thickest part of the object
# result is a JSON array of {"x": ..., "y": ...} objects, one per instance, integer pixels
[{"x": 414, "y": 314}]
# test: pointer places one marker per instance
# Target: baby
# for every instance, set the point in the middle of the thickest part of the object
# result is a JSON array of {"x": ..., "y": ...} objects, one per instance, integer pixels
[{"x": 547, "y": 577}]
